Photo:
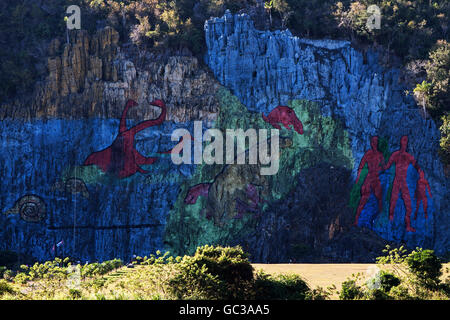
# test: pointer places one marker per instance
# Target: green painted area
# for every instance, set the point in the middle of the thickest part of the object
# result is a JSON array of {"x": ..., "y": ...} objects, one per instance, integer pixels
[
  {"x": 324, "y": 140},
  {"x": 93, "y": 175},
  {"x": 159, "y": 173},
  {"x": 89, "y": 174},
  {"x": 355, "y": 193}
]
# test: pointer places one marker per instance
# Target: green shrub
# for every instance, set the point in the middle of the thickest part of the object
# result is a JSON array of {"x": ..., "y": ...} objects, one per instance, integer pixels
[
  {"x": 93, "y": 269},
  {"x": 426, "y": 266},
  {"x": 350, "y": 291},
  {"x": 213, "y": 273},
  {"x": 377, "y": 294},
  {"x": 280, "y": 287},
  {"x": 74, "y": 294},
  {"x": 8, "y": 274},
  {"x": 21, "y": 278},
  {"x": 5, "y": 287},
  {"x": 320, "y": 293},
  {"x": 195, "y": 282},
  {"x": 416, "y": 275},
  {"x": 388, "y": 281},
  {"x": 400, "y": 293},
  {"x": 230, "y": 264}
]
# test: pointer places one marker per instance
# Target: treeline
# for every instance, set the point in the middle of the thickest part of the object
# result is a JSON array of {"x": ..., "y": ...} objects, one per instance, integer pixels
[{"x": 413, "y": 32}]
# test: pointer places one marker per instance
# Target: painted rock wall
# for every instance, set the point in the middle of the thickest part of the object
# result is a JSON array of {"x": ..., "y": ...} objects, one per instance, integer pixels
[
  {"x": 55, "y": 202},
  {"x": 266, "y": 69}
]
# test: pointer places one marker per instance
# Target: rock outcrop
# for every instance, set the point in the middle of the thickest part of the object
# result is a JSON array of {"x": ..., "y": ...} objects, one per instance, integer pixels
[{"x": 92, "y": 77}]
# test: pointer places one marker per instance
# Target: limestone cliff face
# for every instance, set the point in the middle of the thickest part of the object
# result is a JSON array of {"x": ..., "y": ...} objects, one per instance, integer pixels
[
  {"x": 92, "y": 77},
  {"x": 266, "y": 69}
]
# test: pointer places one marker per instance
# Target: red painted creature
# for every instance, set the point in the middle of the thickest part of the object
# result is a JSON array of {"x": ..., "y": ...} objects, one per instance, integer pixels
[
  {"x": 122, "y": 158},
  {"x": 285, "y": 116},
  {"x": 375, "y": 163},
  {"x": 421, "y": 194},
  {"x": 402, "y": 160}
]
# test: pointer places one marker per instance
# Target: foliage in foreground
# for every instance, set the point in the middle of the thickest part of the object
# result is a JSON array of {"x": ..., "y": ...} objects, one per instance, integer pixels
[
  {"x": 402, "y": 276},
  {"x": 219, "y": 273},
  {"x": 211, "y": 273}
]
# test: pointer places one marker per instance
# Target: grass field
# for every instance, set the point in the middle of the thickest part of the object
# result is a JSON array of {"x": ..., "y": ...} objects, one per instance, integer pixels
[{"x": 322, "y": 275}]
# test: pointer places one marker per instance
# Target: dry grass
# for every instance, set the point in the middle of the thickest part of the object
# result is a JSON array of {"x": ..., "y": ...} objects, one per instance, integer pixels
[{"x": 322, "y": 275}]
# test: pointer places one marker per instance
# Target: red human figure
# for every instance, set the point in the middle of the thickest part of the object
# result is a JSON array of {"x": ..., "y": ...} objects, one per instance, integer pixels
[
  {"x": 122, "y": 158},
  {"x": 402, "y": 160},
  {"x": 201, "y": 189},
  {"x": 421, "y": 194},
  {"x": 375, "y": 163},
  {"x": 285, "y": 116}
]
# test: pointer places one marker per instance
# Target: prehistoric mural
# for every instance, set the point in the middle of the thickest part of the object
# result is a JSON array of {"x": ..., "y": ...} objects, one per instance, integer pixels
[
  {"x": 420, "y": 194},
  {"x": 401, "y": 159},
  {"x": 31, "y": 208},
  {"x": 225, "y": 203},
  {"x": 375, "y": 162},
  {"x": 286, "y": 116},
  {"x": 121, "y": 158},
  {"x": 390, "y": 179},
  {"x": 106, "y": 187}
]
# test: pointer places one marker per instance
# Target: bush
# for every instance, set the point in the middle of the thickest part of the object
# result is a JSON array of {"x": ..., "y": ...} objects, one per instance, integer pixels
[
  {"x": 426, "y": 266},
  {"x": 400, "y": 293},
  {"x": 5, "y": 288},
  {"x": 377, "y": 294},
  {"x": 230, "y": 264},
  {"x": 8, "y": 274},
  {"x": 74, "y": 294},
  {"x": 350, "y": 291},
  {"x": 280, "y": 287},
  {"x": 213, "y": 273},
  {"x": 21, "y": 278},
  {"x": 226, "y": 273},
  {"x": 417, "y": 275},
  {"x": 388, "y": 281},
  {"x": 96, "y": 268},
  {"x": 320, "y": 293},
  {"x": 195, "y": 282}
]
